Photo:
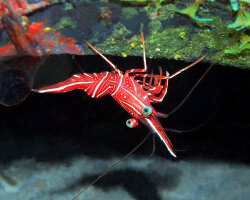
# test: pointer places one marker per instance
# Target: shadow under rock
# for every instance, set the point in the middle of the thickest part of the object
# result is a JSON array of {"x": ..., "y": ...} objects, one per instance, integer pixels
[{"x": 58, "y": 127}]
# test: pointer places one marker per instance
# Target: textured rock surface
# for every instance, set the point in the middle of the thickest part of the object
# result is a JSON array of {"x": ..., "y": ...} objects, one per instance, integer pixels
[
  {"x": 173, "y": 30},
  {"x": 114, "y": 28}
]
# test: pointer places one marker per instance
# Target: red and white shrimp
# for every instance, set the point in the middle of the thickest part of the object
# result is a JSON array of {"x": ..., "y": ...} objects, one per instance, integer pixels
[{"x": 134, "y": 95}]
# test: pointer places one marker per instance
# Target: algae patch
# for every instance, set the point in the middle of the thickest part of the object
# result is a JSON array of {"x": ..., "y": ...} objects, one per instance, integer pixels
[{"x": 65, "y": 22}]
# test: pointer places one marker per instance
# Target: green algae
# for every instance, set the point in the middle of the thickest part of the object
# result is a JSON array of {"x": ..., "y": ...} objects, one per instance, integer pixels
[
  {"x": 173, "y": 45},
  {"x": 212, "y": 38},
  {"x": 180, "y": 43},
  {"x": 129, "y": 13},
  {"x": 68, "y": 6},
  {"x": 117, "y": 42},
  {"x": 65, "y": 22}
]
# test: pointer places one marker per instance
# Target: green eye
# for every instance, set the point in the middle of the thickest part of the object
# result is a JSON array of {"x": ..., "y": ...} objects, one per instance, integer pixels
[
  {"x": 131, "y": 123},
  {"x": 146, "y": 111},
  {"x": 128, "y": 123}
]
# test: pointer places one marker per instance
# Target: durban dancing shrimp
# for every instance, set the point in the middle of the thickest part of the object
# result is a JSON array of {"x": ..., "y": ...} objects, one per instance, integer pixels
[{"x": 134, "y": 95}]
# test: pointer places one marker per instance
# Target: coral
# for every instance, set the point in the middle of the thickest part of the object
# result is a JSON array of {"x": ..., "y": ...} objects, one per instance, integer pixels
[
  {"x": 20, "y": 7},
  {"x": 35, "y": 39},
  {"x": 192, "y": 10},
  {"x": 244, "y": 46},
  {"x": 234, "y": 5},
  {"x": 242, "y": 20},
  {"x": 105, "y": 15}
]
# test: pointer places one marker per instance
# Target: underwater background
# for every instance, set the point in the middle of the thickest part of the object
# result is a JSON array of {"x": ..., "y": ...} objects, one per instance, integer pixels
[{"x": 52, "y": 145}]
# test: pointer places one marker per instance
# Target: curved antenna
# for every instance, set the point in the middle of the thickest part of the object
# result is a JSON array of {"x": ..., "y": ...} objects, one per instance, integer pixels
[
  {"x": 109, "y": 169},
  {"x": 191, "y": 91},
  {"x": 193, "y": 128},
  {"x": 218, "y": 57},
  {"x": 106, "y": 59},
  {"x": 187, "y": 67},
  {"x": 78, "y": 65}
]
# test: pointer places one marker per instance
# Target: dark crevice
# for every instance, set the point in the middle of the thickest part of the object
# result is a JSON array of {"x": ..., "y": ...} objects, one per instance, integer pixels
[{"x": 54, "y": 128}]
